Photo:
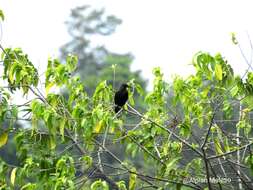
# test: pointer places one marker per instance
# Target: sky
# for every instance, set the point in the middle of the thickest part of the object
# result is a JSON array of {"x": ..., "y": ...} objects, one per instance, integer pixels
[{"x": 161, "y": 33}]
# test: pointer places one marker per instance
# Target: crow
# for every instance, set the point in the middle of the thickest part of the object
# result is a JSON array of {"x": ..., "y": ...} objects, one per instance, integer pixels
[{"x": 120, "y": 97}]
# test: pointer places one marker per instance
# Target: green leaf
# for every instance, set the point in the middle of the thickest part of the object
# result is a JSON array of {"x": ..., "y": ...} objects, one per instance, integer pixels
[
  {"x": 156, "y": 71},
  {"x": 14, "y": 111},
  {"x": 88, "y": 161},
  {"x": 234, "y": 40},
  {"x": 29, "y": 186},
  {"x": 48, "y": 87},
  {"x": 226, "y": 145},
  {"x": 217, "y": 146},
  {"x": 52, "y": 142},
  {"x": 71, "y": 62},
  {"x": 171, "y": 164},
  {"x": 131, "y": 99},
  {"x": 99, "y": 126},
  {"x": 13, "y": 176},
  {"x": 62, "y": 127},
  {"x": 185, "y": 129},
  {"x": 99, "y": 185},
  {"x": 121, "y": 185},
  {"x": 12, "y": 71},
  {"x": 139, "y": 89},
  {"x": 218, "y": 71},
  {"x": 34, "y": 124},
  {"x": 1, "y": 15},
  {"x": 249, "y": 161},
  {"x": 234, "y": 91},
  {"x": 132, "y": 179},
  {"x": 3, "y": 139}
]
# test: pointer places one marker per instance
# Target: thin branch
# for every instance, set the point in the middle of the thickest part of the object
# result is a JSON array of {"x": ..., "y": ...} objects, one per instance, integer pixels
[
  {"x": 135, "y": 112},
  {"x": 147, "y": 151},
  {"x": 231, "y": 152},
  {"x": 207, "y": 170},
  {"x": 208, "y": 131},
  {"x": 138, "y": 174},
  {"x": 214, "y": 173},
  {"x": 240, "y": 177}
]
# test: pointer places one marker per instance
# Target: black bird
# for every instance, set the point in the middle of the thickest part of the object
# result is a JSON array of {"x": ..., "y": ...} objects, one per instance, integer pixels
[{"x": 121, "y": 97}]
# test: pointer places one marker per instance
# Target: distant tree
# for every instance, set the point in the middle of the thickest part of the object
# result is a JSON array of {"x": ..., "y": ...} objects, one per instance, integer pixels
[{"x": 97, "y": 63}]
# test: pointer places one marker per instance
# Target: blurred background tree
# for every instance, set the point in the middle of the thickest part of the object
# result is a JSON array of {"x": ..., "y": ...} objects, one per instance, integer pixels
[{"x": 96, "y": 63}]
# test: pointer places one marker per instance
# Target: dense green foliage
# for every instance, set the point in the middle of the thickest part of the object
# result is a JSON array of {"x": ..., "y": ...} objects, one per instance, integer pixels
[{"x": 56, "y": 151}]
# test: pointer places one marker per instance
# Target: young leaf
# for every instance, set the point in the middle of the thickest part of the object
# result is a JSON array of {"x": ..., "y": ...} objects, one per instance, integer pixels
[
  {"x": 71, "y": 62},
  {"x": 139, "y": 89},
  {"x": 121, "y": 185},
  {"x": 1, "y": 15},
  {"x": 172, "y": 163},
  {"x": 3, "y": 139},
  {"x": 226, "y": 145},
  {"x": 12, "y": 71},
  {"x": 62, "y": 126},
  {"x": 131, "y": 99},
  {"x": 234, "y": 40},
  {"x": 48, "y": 87},
  {"x": 87, "y": 161},
  {"x": 29, "y": 186},
  {"x": 132, "y": 180},
  {"x": 217, "y": 145},
  {"x": 34, "y": 124},
  {"x": 218, "y": 71},
  {"x": 52, "y": 142},
  {"x": 13, "y": 175},
  {"x": 99, "y": 126},
  {"x": 99, "y": 185}
]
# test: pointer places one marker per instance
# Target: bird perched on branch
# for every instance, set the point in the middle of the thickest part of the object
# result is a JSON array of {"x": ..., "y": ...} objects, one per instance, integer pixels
[{"x": 121, "y": 97}]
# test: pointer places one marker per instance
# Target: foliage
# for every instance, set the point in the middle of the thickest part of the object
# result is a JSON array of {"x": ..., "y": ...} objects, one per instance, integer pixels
[
  {"x": 56, "y": 150},
  {"x": 1, "y": 15}
]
